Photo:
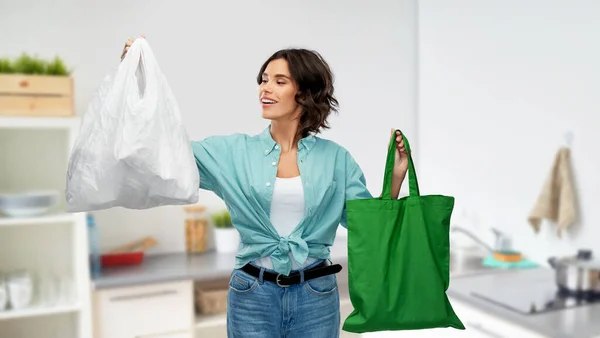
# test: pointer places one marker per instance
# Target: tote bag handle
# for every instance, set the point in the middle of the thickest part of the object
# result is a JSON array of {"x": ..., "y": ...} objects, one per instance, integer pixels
[{"x": 413, "y": 184}]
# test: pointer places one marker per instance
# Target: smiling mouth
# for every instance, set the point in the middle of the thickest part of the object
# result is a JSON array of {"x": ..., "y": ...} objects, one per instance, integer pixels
[{"x": 268, "y": 101}]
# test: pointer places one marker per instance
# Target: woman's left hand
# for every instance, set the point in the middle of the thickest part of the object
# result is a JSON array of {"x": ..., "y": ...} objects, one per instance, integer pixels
[{"x": 401, "y": 163}]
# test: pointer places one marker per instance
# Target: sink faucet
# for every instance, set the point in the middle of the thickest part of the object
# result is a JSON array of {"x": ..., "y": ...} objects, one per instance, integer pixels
[{"x": 472, "y": 236}]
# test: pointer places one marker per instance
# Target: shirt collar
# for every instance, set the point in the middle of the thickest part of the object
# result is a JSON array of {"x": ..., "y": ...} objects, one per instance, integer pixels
[{"x": 269, "y": 144}]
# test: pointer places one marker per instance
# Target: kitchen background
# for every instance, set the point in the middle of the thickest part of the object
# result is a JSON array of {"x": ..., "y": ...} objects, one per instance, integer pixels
[
  {"x": 486, "y": 91},
  {"x": 210, "y": 53}
]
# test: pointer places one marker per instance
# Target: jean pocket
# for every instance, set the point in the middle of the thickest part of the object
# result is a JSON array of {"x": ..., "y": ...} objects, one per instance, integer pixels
[
  {"x": 242, "y": 282},
  {"x": 323, "y": 285}
]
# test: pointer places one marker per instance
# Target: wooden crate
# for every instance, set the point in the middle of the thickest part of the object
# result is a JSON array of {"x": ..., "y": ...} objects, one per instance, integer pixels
[{"x": 36, "y": 95}]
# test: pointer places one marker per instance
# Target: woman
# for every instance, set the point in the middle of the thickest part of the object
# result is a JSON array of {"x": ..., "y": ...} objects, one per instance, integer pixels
[{"x": 286, "y": 190}]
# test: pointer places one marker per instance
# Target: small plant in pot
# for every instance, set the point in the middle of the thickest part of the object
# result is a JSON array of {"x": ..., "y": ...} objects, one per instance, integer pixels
[
  {"x": 35, "y": 87},
  {"x": 227, "y": 238}
]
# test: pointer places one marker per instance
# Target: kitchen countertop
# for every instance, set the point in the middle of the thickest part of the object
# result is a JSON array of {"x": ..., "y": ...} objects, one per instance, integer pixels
[
  {"x": 575, "y": 322},
  {"x": 169, "y": 267}
]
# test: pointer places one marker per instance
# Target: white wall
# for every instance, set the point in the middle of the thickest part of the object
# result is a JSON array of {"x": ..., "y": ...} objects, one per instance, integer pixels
[
  {"x": 500, "y": 83},
  {"x": 211, "y": 51}
]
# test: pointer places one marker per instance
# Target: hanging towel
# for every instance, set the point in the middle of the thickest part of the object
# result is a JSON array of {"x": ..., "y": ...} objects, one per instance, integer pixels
[{"x": 556, "y": 201}]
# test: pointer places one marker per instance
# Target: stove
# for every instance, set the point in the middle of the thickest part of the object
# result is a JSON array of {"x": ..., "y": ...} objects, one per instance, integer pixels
[{"x": 530, "y": 297}]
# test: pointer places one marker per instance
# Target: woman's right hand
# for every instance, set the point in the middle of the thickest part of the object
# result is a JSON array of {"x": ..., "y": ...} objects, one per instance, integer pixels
[{"x": 127, "y": 45}]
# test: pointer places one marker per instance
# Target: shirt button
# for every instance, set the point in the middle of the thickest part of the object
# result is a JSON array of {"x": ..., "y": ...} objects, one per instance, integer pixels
[
  {"x": 273, "y": 163},
  {"x": 276, "y": 147},
  {"x": 268, "y": 184}
]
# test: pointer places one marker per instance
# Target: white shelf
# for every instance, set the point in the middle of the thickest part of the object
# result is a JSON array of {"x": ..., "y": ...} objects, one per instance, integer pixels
[
  {"x": 203, "y": 322},
  {"x": 40, "y": 220},
  {"x": 9, "y": 122},
  {"x": 38, "y": 311},
  {"x": 56, "y": 242}
]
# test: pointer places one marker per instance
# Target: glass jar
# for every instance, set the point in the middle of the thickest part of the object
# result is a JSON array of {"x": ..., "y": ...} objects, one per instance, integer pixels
[{"x": 196, "y": 229}]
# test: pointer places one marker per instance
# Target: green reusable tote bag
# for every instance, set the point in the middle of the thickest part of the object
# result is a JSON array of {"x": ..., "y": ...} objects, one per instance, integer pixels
[{"x": 398, "y": 258}]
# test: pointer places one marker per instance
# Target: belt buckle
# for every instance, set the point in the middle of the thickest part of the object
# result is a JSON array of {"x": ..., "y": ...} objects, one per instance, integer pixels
[{"x": 277, "y": 281}]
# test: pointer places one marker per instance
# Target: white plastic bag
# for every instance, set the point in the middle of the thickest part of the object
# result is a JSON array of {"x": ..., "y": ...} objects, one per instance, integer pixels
[{"x": 132, "y": 149}]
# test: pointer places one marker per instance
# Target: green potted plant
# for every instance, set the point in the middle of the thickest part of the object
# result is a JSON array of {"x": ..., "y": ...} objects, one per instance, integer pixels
[{"x": 227, "y": 237}]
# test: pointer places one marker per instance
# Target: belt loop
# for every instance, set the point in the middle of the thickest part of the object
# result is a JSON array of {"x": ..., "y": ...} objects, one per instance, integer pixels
[
  {"x": 301, "y": 276},
  {"x": 260, "y": 275}
]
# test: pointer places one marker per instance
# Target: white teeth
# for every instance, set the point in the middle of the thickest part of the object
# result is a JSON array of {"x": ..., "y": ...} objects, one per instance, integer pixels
[{"x": 267, "y": 101}]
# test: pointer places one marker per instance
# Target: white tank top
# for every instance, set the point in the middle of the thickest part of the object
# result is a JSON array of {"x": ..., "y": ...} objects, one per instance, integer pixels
[{"x": 287, "y": 210}]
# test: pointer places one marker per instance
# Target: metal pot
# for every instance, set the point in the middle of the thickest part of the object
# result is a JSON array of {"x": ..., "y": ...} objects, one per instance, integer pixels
[{"x": 577, "y": 276}]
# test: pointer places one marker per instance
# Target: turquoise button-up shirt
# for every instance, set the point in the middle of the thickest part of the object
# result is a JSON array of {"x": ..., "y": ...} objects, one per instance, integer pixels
[{"x": 242, "y": 169}]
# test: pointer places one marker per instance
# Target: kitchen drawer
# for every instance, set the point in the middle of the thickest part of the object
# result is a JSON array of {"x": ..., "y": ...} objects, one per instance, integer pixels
[{"x": 144, "y": 310}]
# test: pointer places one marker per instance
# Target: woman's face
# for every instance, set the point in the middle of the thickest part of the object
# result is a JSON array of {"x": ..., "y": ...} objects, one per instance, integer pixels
[{"x": 277, "y": 92}]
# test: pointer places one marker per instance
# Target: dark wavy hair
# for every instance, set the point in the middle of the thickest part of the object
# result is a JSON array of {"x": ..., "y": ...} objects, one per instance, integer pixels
[{"x": 314, "y": 79}]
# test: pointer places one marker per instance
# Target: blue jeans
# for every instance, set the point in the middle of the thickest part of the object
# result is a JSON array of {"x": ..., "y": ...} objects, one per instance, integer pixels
[{"x": 262, "y": 309}]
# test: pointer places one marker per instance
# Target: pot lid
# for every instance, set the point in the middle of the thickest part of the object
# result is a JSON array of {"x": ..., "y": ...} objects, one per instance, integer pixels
[
  {"x": 583, "y": 259},
  {"x": 591, "y": 264}
]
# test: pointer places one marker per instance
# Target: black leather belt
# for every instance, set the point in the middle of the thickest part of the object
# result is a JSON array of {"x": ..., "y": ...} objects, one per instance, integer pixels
[{"x": 294, "y": 278}]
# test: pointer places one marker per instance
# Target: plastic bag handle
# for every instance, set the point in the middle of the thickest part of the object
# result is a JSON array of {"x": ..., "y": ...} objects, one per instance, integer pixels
[
  {"x": 413, "y": 184},
  {"x": 139, "y": 53}
]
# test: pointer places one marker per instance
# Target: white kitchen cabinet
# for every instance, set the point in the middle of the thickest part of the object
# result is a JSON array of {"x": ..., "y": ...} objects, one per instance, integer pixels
[
  {"x": 478, "y": 325},
  {"x": 163, "y": 310},
  {"x": 53, "y": 247}
]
